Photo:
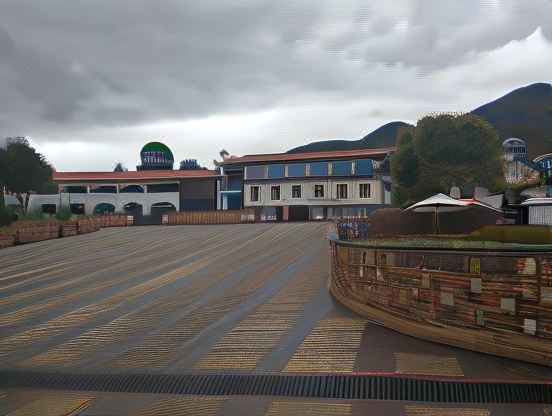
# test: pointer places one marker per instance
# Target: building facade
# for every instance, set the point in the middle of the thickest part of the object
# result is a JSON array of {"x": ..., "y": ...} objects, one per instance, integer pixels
[
  {"x": 306, "y": 186},
  {"x": 138, "y": 193}
]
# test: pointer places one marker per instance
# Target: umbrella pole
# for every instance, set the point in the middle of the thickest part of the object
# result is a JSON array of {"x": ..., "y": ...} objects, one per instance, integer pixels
[{"x": 437, "y": 219}]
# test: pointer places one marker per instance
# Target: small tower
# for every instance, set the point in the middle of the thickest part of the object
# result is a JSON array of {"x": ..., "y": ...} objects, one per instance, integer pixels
[{"x": 514, "y": 150}]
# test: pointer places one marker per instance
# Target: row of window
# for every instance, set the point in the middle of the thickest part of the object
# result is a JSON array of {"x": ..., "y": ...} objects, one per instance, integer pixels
[
  {"x": 300, "y": 170},
  {"x": 319, "y": 191},
  {"x": 112, "y": 189}
]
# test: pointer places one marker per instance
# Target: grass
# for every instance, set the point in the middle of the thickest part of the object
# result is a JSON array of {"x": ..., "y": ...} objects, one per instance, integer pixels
[
  {"x": 426, "y": 242},
  {"x": 504, "y": 237}
]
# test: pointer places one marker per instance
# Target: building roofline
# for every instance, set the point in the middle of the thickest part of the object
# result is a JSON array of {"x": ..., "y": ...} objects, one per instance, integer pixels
[
  {"x": 288, "y": 157},
  {"x": 135, "y": 175}
]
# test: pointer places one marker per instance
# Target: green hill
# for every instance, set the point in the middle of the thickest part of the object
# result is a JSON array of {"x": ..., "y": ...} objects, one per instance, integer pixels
[
  {"x": 384, "y": 136},
  {"x": 525, "y": 113}
]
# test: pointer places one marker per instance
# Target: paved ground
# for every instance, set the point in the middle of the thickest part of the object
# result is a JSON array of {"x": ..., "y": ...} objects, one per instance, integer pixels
[{"x": 202, "y": 299}]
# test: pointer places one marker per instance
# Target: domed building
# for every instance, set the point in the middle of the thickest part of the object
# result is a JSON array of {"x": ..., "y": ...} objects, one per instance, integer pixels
[
  {"x": 517, "y": 167},
  {"x": 156, "y": 155},
  {"x": 153, "y": 189}
]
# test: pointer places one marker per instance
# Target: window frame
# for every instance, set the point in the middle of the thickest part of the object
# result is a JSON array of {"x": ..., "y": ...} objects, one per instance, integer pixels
[
  {"x": 258, "y": 193},
  {"x": 346, "y": 187},
  {"x": 274, "y": 187},
  {"x": 323, "y": 190},
  {"x": 369, "y": 189},
  {"x": 300, "y": 191}
]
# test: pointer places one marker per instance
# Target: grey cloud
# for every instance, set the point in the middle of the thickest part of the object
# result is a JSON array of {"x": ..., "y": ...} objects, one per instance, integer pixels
[{"x": 69, "y": 65}]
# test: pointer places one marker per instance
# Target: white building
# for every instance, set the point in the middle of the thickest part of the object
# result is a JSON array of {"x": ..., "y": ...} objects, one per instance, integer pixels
[
  {"x": 139, "y": 193},
  {"x": 302, "y": 186},
  {"x": 539, "y": 211}
]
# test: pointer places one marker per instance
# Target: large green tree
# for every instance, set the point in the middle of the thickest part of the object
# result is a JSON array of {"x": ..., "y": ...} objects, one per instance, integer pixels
[
  {"x": 23, "y": 169},
  {"x": 446, "y": 150}
]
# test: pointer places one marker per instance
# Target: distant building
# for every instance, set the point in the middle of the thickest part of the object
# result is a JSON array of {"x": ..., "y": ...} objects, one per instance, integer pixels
[
  {"x": 517, "y": 167},
  {"x": 537, "y": 211},
  {"x": 150, "y": 191},
  {"x": 306, "y": 186},
  {"x": 545, "y": 167}
]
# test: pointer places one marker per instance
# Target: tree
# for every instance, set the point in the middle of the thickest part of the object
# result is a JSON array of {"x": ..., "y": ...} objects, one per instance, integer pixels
[
  {"x": 446, "y": 150},
  {"x": 23, "y": 169}
]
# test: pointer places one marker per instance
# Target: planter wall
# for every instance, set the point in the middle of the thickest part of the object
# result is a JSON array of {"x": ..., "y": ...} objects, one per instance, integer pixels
[
  {"x": 34, "y": 234},
  {"x": 68, "y": 229},
  {"x": 208, "y": 217},
  {"x": 7, "y": 239},
  {"x": 88, "y": 225},
  {"x": 112, "y": 221}
]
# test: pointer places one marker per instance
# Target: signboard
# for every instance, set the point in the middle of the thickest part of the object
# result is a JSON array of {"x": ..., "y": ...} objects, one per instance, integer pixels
[{"x": 156, "y": 155}]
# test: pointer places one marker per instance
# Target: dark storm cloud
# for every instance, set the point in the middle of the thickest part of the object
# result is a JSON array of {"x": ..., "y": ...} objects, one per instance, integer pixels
[{"x": 72, "y": 65}]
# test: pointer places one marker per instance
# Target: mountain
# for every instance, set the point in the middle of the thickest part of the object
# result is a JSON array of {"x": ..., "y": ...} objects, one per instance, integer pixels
[
  {"x": 384, "y": 136},
  {"x": 525, "y": 113}
]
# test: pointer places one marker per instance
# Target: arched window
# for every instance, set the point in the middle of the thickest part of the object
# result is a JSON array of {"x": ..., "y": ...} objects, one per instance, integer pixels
[
  {"x": 104, "y": 208},
  {"x": 132, "y": 189}
]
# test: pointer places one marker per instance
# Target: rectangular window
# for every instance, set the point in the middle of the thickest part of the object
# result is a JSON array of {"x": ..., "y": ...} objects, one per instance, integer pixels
[
  {"x": 296, "y": 170},
  {"x": 255, "y": 194},
  {"x": 49, "y": 208},
  {"x": 77, "y": 209},
  {"x": 296, "y": 191},
  {"x": 319, "y": 169},
  {"x": 319, "y": 191},
  {"x": 343, "y": 168},
  {"x": 275, "y": 193},
  {"x": 364, "y": 190},
  {"x": 276, "y": 171},
  {"x": 342, "y": 191},
  {"x": 255, "y": 172},
  {"x": 162, "y": 187}
]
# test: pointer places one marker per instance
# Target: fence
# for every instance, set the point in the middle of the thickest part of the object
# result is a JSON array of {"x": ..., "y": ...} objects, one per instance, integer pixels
[
  {"x": 35, "y": 233},
  {"x": 209, "y": 217}
]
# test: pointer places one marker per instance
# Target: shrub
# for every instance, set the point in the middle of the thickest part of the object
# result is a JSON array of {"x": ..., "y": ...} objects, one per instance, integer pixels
[
  {"x": 522, "y": 234},
  {"x": 63, "y": 213},
  {"x": 5, "y": 218},
  {"x": 34, "y": 214}
]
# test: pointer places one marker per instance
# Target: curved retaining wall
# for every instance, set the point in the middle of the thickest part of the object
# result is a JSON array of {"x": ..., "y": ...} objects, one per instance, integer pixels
[{"x": 452, "y": 297}]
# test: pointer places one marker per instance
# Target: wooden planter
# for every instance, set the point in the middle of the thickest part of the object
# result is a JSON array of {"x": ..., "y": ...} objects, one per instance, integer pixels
[
  {"x": 87, "y": 226},
  {"x": 204, "y": 217},
  {"x": 69, "y": 229},
  {"x": 497, "y": 302},
  {"x": 7, "y": 239},
  {"x": 112, "y": 221},
  {"x": 34, "y": 234}
]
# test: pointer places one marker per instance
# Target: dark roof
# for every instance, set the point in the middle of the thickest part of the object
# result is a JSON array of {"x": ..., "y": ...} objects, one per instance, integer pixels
[
  {"x": 288, "y": 157},
  {"x": 134, "y": 175}
]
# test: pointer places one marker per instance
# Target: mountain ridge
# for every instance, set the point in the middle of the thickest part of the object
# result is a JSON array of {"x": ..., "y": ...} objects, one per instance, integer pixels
[{"x": 525, "y": 112}]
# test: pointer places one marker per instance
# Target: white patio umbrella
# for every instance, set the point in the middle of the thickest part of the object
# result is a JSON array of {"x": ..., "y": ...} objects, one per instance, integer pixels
[{"x": 439, "y": 203}]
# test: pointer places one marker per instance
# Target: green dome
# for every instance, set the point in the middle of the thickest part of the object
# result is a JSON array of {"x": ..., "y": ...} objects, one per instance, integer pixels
[
  {"x": 158, "y": 147},
  {"x": 156, "y": 155}
]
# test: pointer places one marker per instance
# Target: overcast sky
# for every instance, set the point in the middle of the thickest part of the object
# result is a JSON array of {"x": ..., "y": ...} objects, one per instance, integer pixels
[{"x": 90, "y": 82}]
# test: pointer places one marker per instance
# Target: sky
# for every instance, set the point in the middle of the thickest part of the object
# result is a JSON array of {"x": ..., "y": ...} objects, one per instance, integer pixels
[{"x": 90, "y": 82}]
